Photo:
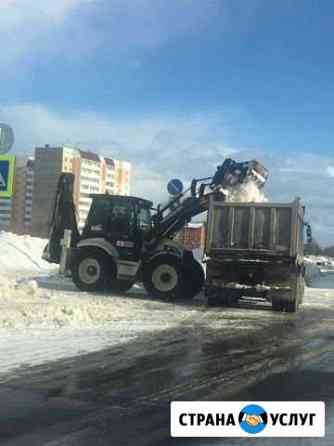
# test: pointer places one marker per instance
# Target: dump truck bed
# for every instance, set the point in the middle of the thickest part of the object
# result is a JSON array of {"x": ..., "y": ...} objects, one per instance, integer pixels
[
  {"x": 255, "y": 250},
  {"x": 255, "y": 230}
]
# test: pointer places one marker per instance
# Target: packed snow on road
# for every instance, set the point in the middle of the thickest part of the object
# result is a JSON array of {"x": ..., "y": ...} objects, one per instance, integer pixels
[{"x": 44, "y": 317}]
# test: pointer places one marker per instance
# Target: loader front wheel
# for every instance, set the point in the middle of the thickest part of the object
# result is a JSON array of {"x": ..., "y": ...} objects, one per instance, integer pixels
[
  {"x": 91, "y": 270},
  {"x": 162, "y": 277}
]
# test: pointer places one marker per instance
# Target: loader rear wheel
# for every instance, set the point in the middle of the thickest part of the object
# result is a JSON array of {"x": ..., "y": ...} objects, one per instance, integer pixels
[
  {"x": 91, "y": 270},
  {"x": 162, "y": 277},
  {"x": 192, "y": 279}
]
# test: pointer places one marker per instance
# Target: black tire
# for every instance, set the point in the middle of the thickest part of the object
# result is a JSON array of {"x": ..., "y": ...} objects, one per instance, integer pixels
[
  {"x": 277, "y": 304},
  {"x": 302, "y": 289},
  {"x": 162, "y": 277},
  {"x": 192, "y": 279},
  {"x": 291, "y": 304},
  {"x": 92, "y": 269}
]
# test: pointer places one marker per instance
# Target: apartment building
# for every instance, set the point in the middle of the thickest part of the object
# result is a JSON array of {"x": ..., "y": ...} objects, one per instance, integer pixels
[
  {"x": 28, "y": 194},
  {"x": 5, "y": 213},
  {"x": 22, "y": 197},
  {"x": 122, "y": 176},
  {"x": 93, "y": 174},
  {"x": 89, "y": 181},
  {"x": 109, "y": 176}
]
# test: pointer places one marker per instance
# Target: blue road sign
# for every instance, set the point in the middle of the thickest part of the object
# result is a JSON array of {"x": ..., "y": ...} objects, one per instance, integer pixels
[
  {"x": 175, "y": 187},
  {"x": 7, "y": 164}
]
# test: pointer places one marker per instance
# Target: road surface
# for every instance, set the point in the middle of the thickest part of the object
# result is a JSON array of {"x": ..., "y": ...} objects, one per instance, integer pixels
[{"x": 120, "y": 395}]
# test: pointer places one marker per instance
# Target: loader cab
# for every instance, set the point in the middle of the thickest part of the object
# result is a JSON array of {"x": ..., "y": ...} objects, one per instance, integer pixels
[{"x": 122, "y": 220}]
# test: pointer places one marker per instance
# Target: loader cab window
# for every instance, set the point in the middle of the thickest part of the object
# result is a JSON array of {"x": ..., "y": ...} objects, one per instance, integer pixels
[
  {"x": 98, "y": 215},
  {"x": 113, "y": 218},
  {"x": 122, "y": 219},
  {"x": 145, "y": 219}
]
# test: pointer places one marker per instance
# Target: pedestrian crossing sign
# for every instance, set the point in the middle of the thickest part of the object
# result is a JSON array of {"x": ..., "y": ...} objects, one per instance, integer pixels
[{"x": 7, "y": 164}]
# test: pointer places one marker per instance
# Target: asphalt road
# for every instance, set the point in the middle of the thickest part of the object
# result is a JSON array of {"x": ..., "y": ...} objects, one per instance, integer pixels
[{"x": 120, "y": 396}]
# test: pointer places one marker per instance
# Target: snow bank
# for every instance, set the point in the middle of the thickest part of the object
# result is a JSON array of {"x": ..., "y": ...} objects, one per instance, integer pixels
[
  {"x": 33, "y": 296},
  {"x": 30, "y": 303},
  {"x": 22, "y": 253}
]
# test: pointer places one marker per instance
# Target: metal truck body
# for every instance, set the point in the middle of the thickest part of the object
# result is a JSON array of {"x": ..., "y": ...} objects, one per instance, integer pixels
[{"x": 255, "y": 249}]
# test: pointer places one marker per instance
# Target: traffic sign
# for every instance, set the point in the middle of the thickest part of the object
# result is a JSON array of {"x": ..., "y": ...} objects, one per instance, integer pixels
[
  {"x": 175, "y": 187},
  {"x": 7, "y": 165}
]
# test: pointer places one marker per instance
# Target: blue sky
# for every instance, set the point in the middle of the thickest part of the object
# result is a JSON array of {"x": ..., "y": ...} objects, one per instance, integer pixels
[{"x": 176, "y": 85}]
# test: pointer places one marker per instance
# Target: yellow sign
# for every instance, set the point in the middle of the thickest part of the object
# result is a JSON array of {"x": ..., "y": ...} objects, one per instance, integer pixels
[{"x": 7, "y": 167}]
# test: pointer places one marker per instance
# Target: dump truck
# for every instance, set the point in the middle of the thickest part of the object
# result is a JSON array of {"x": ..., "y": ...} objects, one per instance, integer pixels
[{"x": 255, "y": 250}]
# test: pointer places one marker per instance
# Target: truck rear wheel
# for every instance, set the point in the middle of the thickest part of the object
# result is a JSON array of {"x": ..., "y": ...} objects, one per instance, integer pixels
[
  {"x": 292, "y": 305},
  {"x": 302, "y": 289},
  {"x": 162, "y": 277},
  {"x": 91, "y": 270},
  {"x": 277, "y": 304}
]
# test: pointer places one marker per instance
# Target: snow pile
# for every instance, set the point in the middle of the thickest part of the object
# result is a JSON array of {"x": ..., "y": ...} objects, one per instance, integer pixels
[
  {"x": 246, "y": 193},
  {"x": 33, "y": 297},
  {"x": 22, "y": 253},
  {"x": 54, "y": 303}
]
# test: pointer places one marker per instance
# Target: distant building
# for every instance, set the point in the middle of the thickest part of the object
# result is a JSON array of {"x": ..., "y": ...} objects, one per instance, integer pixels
[
  {"x": 22, "y": 197},
  {"x": 5, "y": 213},
  {"x": 93, "y": 174},
  {"x": 192, "y": 236},
  {"x": 122, "y": 178}
]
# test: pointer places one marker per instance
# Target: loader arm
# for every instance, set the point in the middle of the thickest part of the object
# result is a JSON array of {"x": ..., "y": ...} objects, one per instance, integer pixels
[{"x": 172, "y": 217}]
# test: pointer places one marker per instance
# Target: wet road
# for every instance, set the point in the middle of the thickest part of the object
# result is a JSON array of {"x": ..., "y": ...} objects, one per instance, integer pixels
[{"x": 121, "y": 395}]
